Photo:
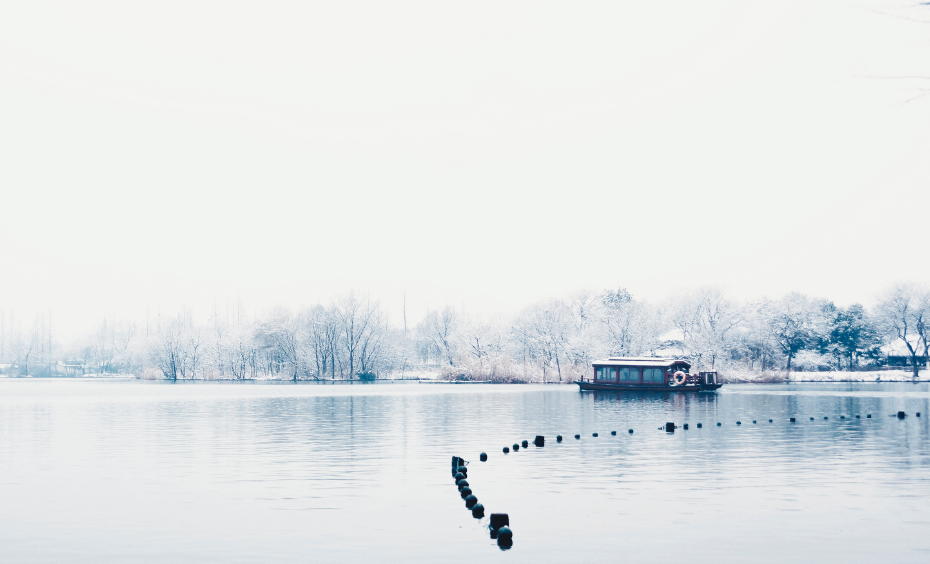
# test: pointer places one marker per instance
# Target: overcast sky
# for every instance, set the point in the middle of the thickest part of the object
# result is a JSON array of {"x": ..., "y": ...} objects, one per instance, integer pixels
[{"x": 480, "y": 153}]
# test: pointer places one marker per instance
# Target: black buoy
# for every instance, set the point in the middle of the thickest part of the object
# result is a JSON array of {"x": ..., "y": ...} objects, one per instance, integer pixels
[
  {"x": 753, "y": 421},
  {"x": 466, "y": 491},
  {"x": 471, "y": 501},
  {"x": 593, "y": 434},
  {"x": 917, "y": 414},
  {"x": 558, "y": 438},
  {"x": 455, "y": 463},
  {"x": 699, "y": 425},
  {"x": 539, "y": 441},
  {"x": 613, "y": 432},
  {"x": 825, "y": 418},
  {"x": 792, "y": 420},
  {"x": 869, "y": 416},
  {"x": 504, "y": 533},
  {"x": 669, "y": 427},
  {"x": 462, "y": 484},
  {"x": 477, "y": 511},
  {"x": 842, "y": 417},
  {"x": 812, "y": 418},
  {"x": 499, "y": 520},
  {"x": 901, "y": 415},
  {"x": 525, "y": 444},
  {"x": 770, "y": 420},
  {"x": 857, "y": 417},
  {"x": 515, "y": 447},
  {"x": 506, "y": 450},
  {"x": 483, "y": 457},
  {"x": 577, "y": 436},
  {"x": 718, "y": 424},
  {"x": 630, "y": 431},
  {"x": 685, "y": 426},
  {"x": 459, "y": 476},
  {"x": 739, "y": 422}
]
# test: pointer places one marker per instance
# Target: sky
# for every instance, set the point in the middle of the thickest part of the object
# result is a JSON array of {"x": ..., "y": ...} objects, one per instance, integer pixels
[{"x": 487, "y": 155}]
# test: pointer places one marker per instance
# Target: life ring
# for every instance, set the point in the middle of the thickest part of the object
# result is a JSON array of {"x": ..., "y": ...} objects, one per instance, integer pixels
[{"x": 679, "y": 378}]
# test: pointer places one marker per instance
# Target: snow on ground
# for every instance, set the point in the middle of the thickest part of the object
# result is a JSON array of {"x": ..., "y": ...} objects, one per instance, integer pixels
[{"x": 833, "y": 376}]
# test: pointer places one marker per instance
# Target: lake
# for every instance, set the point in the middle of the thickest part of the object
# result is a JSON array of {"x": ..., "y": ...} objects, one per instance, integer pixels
[{"x": 132, "y": 471}]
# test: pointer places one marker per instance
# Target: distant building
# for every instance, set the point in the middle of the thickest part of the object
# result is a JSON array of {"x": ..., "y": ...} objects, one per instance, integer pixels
[{"x": 71, "y": 367}]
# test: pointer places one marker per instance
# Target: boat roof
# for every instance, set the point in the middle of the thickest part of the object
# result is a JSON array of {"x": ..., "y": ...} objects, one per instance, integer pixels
[{"x": 640, "y": 361}]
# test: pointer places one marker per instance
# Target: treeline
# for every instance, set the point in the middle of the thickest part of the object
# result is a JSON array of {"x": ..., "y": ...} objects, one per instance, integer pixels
[{"x": 552, "y": 341}]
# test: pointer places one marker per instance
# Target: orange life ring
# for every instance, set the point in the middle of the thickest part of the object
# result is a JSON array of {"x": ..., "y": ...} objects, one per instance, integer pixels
[{"x": 682, "y": 380}]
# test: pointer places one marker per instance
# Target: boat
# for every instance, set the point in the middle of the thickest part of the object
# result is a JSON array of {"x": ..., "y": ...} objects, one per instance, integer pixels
[{"x": 644, "y": 374}]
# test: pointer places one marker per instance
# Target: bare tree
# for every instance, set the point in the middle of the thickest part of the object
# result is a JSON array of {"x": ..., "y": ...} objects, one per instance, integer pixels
[
  {"x": 359, "y": 324},
  {"x": 440, "y": 328},
  {"x": 904, "y": 313}
]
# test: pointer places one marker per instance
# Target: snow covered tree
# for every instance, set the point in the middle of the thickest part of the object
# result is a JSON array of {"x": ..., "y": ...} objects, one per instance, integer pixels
[{"x": 903, "y": 312}]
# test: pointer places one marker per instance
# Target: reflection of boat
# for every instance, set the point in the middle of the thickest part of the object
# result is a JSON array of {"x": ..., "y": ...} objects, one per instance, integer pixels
[{"x": 648, "y": 374}]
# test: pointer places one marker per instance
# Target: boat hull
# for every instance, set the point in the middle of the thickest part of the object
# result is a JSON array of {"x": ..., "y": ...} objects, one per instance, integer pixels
[{"x": 641, "y": 388}]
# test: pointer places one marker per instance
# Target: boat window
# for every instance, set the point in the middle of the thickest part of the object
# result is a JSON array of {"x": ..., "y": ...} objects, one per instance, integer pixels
[
  {"x": 606, "y": 373},
  {"x": 629, "y": 375},
  {"x": 653, "y": 375}
]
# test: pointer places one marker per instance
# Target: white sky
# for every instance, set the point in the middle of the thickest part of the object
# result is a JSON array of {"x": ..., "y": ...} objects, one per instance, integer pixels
[{"x": 480, "y": 153}]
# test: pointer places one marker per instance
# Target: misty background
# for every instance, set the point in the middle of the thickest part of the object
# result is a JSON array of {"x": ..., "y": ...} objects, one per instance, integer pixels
[{"x": 168, "y": 162}]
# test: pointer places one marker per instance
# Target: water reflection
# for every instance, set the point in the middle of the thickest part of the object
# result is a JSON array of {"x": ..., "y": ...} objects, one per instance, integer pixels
[{"x": 117, "y": 471}]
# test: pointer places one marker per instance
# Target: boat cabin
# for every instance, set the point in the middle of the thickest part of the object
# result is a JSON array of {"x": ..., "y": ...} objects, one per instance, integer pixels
[{"x": 648, "y": 371}]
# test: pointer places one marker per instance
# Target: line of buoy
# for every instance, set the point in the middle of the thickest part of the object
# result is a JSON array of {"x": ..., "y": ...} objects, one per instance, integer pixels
[
  {"x": 500, "y": 530},
  {"x": 460, "y": 473}
]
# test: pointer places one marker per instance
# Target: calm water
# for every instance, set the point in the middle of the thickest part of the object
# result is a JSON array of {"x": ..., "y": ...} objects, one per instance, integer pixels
[{"x": 154, "y": 472}]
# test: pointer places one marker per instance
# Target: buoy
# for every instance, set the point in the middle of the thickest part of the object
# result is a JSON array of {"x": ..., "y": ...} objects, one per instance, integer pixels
[
  {"x": 477, "y": 511},
  {"x": 483, "y": 457},
  {"x": 613, "y": 432},
  {"x": 455, "y": 463},
  {"x": 593, "y": 434},
  {"x": 459, "y": 476},
  {"x": 515, "y": 447},
  {"x": 506, "y": 450},
  {"x": 825, "y": 418},
  {"x": 539, "y": 441},
  {"x": 504, "y": 533},
  {"x": 471, "y": 501},
  {"x": 842, "y": 417},
  {"x": 917, "y": 414},
  {"x": 812, "y": 418},
  {"x": 526, "y": 444},
  {"x": 739, "y": 423},
  {"x": 753, "y": 421},
  {"x": 577, "y": 436},
  {"x": 558, "y": 438},
  {"x": 499, "y": 520},
  {"x": 901, "y": 415},
  {"x": 462, "y": 484},
  {"x": 466, "y": 492},
  {"x": 792, "y": 419},
  {"x": 669, "y": 427},
  {"x": 869, "y": 416},
  {"x": 699, "y": 425},
  {"x": 857, "y": 417},
  {"x": 630, "y": 431},
  {"x": 718, "y": 424},
  {"x": 685, "y": 426}
]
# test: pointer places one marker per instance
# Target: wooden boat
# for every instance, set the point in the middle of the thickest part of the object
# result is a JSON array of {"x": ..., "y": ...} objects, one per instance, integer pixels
[{"x": 648, "y": 374}]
